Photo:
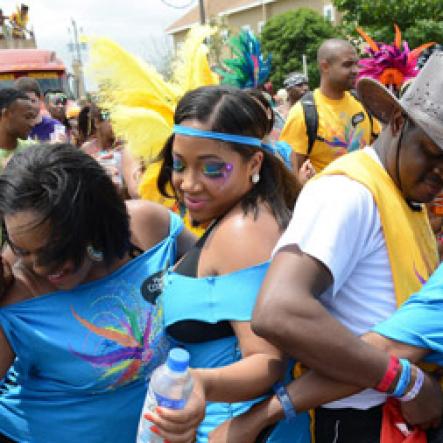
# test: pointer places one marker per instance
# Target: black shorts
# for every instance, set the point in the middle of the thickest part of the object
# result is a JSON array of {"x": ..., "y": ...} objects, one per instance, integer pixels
[
  {"x": 348, "y": 425},
  {"x": 435, "y": 435}
]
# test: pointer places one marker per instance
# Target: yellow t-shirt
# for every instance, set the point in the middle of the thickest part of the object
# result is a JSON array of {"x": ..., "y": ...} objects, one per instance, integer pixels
[{"x": 343, "y": 124}]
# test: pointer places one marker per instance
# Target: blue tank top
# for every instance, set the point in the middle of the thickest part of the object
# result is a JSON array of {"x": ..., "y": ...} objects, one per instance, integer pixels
[
  {"x": 211, "y": 300},
  {"x": 83, "y": 356}
]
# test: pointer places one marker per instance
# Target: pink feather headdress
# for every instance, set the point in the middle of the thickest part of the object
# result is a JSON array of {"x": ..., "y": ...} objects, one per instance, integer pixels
[{"x": 391, "y": 65}]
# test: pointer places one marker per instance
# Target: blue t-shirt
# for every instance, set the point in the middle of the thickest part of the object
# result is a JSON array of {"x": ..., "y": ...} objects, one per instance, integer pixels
[
  {"x": 42, "y": 131},
  {"x": 418, "y": 322},
  {"x": 83, "y": 356}
]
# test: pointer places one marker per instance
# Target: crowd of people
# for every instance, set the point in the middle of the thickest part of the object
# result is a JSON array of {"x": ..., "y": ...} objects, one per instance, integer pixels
[{"x": 305, "y": 286}]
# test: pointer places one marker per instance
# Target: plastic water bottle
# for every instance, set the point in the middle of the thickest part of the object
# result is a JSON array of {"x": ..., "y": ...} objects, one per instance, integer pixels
[{"x": 170, "y": 387}]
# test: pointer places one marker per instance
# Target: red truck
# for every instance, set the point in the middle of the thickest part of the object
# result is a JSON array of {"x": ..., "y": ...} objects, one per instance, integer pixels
[{"x": 43, "y": 65}]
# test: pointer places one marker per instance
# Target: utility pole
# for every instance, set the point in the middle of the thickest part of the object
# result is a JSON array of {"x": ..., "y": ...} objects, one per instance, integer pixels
[
  {"x": 77, "y": 64},
  {"x": 202, "y": 12},
  {"x": 263, "y": 12},
  {"x": 305, "y": 65}
]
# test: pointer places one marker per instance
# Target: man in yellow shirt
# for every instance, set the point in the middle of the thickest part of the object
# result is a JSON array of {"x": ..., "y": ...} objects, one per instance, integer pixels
[{"x": 343, "y": 124}]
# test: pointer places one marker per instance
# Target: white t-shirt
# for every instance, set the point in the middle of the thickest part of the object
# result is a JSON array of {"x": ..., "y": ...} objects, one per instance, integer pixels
[{"x": 337, "y": 221}]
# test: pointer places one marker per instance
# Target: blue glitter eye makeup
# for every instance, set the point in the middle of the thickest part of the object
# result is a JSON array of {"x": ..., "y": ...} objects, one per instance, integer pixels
[
  {"x": 217, "y": 169},
  {"x": 177, "y": 165}
]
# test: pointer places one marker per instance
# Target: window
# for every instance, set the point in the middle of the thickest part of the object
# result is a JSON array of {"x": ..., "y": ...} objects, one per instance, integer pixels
[{"x": 329, "y": 12}]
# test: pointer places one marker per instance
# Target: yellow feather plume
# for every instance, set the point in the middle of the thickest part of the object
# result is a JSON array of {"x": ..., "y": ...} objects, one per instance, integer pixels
[
  {"x": 141, "y": 102},
  {"x": 116, "y": 70},
  {"x": 144, "y": 130},
  {"x": 372, "y": 44},
  {"x": 397, "y": 40},
  {"x": 191, "y": 68},
  {"x": 141, "y": 99}
]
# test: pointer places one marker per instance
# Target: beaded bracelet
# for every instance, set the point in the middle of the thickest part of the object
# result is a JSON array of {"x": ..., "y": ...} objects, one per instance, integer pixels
[
  {"x": 283, "y": 396},
  {"x": 404, "y": 380},
  {"x": 419, "y": 380},
  {"x": 390, "y": 374}
]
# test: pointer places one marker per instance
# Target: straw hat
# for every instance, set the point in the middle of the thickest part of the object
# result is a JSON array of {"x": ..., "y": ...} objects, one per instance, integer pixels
[{"x": 422, "y": 102}]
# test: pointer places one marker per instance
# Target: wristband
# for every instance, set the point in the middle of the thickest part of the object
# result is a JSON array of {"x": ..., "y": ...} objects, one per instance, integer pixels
[
  {"x": 404, "y": 380},
  {"x": 283, "y": 396},
  {"x": 390, "y": 374},
  {"x": 419, "y": 380}
]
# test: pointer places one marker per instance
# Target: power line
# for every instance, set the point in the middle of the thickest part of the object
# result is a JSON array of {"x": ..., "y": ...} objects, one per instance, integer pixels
[{"x": 167, "y": 3}]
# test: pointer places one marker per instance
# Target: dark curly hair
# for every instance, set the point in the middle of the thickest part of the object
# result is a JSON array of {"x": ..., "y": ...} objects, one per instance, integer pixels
[{"x": 68, "y": 188}]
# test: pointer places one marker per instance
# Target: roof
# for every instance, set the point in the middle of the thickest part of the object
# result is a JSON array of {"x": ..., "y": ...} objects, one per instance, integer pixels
[
  {"x": 29, "y": 59},
  {"x": 213, "y": 8}
]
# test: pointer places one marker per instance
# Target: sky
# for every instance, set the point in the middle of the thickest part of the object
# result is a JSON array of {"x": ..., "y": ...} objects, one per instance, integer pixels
[{"x": 137, "y": 25}]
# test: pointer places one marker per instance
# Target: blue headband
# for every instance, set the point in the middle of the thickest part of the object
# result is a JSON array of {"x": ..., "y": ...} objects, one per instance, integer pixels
[{"x": 232, "y": 138}]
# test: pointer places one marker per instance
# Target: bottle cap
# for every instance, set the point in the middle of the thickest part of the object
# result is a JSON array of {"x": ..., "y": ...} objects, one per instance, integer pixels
[{"x": 178, "y": 360}]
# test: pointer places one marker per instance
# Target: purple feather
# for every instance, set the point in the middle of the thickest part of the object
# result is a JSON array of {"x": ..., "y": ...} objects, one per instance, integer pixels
[{"x": 112, "y": 357}]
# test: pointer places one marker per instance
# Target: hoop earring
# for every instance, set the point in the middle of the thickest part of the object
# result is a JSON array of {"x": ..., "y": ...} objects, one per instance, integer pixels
[
  {"x": 93, "y": 254},
  {"x": 255, "y": 178}
]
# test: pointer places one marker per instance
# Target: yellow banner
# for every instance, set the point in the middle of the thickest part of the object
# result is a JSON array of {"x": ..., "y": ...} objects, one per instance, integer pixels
[{"x": 6, "y": 76}]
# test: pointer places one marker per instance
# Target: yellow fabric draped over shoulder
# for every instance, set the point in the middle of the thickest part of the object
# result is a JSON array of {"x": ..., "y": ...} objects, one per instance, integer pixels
[{"x": 411, "y": 244}]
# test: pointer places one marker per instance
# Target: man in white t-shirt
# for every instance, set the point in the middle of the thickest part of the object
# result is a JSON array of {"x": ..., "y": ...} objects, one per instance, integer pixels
[{"x": 331, "y": 278}]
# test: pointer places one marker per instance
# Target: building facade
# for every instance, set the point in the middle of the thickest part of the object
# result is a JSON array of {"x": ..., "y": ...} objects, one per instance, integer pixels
[{"x": 244, "y": 14}]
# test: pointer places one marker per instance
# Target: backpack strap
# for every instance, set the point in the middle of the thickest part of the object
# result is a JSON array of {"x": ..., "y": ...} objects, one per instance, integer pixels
[{"x": 311, "y": 118}]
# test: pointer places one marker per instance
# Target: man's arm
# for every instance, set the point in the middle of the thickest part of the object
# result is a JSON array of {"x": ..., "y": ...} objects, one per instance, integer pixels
[
  {"x": 313, "y": 389},
  {"x": 289, "y": 315}
]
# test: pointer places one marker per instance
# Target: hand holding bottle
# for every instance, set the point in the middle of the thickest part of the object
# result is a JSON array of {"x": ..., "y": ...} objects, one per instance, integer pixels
[
  {"x": 180, "y": 426},
  {"x": 174, "y": 405}
]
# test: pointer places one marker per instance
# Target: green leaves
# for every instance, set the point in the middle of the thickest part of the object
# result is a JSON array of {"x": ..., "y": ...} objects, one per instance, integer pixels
[
  {"x": 420, "y": 20},
  {"x": 290, "y": 35}
]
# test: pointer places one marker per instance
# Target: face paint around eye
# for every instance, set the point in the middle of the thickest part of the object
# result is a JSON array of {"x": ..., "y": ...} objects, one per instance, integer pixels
[
  {"x": 217, "y": 170},
  {"x": 177, "y": 165}
]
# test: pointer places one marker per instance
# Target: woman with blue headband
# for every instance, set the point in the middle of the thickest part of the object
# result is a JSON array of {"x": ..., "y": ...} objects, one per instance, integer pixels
[{"x": 218, "y": 167}]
